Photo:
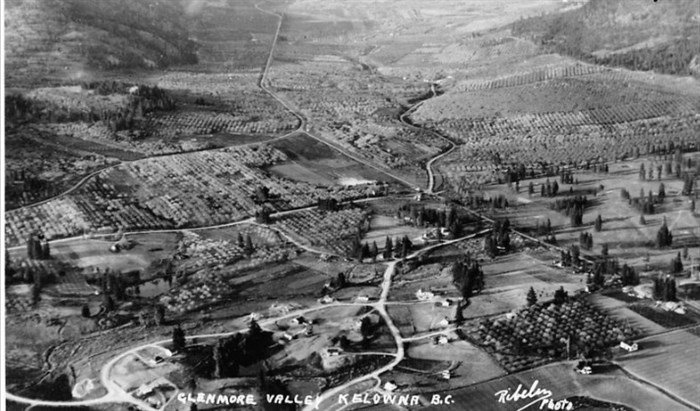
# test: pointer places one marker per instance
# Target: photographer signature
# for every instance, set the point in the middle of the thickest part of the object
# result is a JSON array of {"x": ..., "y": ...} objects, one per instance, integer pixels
[{"x": 536, "y": 394}]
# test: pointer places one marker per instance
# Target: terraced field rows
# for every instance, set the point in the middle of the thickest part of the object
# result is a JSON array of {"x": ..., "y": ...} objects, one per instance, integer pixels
[
  {"x": 208, "y": 122},
  {"x": 504, "y": 141},
  {"x": 534, "y": 76}
]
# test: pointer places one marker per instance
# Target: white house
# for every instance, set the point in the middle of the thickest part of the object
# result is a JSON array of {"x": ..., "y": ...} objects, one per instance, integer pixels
[
  {"x": 390, "y": 386},
  {"x": 629, "y": 347},
  {"x": 443, "y": 323},
  {"x": 331, "y": 352},
  {"x": 441, "y": 339},
  {"x": 424, "y": 295}
]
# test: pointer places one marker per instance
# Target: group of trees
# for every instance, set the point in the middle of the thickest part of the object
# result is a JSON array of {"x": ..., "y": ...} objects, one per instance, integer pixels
[
  {"x": 328, "y": 204},
  {"x": 144, "y": 99},
  {"x": 399, "y": 248},
  {"x": 543, "y": 229},
  {"x": 549, "y": 189},
  {"x": 262, "y": 215},
  {"x": 664, "y": 238},
  {"x": 645, "y": 204},
  {"x": 246, "y": 244},
  {"x": 665, "y": 288},
  {"x": 262, "y": 195},
  {"x": 23, "y": 188},
  {"x": 240, "y": 349},
  {"x": 676, "y": 264},
  {"x": 572, "y": 207},
  {"x": 498, "y": 239},
  {"x": 585, "y": 240},
  {"x": 365, "y": 250},
  {"x": 468, "y": 277},
  {"x": 570, "y": 257},
  {"x": 629, "y": 276},
  {"x": 422, "y": 216},
  {"x": 38, "y": 247}
]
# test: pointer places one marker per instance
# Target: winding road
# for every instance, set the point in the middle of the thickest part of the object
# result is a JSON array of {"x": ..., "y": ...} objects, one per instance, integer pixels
[{"x": 115, "y": 394}]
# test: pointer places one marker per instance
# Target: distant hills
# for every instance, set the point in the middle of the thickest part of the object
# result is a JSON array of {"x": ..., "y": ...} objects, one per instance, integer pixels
[
  {"x": 59, "y": 40},
  {"x": 663, "y": 36}
]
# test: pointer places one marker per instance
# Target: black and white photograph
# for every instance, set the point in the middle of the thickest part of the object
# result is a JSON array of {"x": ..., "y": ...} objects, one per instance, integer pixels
[{"x": 345, "y": 205}]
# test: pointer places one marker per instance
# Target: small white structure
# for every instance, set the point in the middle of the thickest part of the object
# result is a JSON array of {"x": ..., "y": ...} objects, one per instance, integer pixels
[
  {"x": 629, "y": 347},
  {"x": 326, "y": 300},
  {"x": 446, "y": 375},
  {"x": 442, "y": 303},
  {"x": 254, "y": 316},
  {"x": 362, "y": 299},
  {"x": 390, "y": 386},
  {"x": 441, "y": 339},
  {"x": 424, "y": 295},
  {"x": 133, "y": 89},
  {"x": 673, "y": 307},
  {"x": 331, "y": 352},
  {"x": 443, "y": 323}
]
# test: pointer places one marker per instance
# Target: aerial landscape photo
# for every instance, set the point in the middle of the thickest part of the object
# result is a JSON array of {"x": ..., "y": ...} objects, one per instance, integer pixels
[{"x": 437, "y": 205}]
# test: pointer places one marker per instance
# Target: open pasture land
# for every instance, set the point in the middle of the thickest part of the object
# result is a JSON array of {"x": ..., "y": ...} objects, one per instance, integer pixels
[
  {"x": 91, "y": 253},
  {"x": 417, "y": 318},
  {"x": 281, "y": 280},
  {"x": 622, "y": 230},
  {"x": 507, "y": 280},
  {"x": 382, "y": 226},
  {"x": 313, "y": 162},
  {"x": 670, "y": 360},
  {"x": 563, "y": 382},
  {"x": 197, "y": 189},
  {"x": 469, "y": 364}
]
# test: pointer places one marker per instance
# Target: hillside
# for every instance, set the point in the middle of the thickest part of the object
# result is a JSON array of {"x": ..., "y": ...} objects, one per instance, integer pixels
[
  {"x": 637, "y": 34},
  {"x": 54, "y": 41}
]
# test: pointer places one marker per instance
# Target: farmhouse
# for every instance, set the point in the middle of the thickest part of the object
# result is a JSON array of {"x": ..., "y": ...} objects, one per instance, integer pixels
[
  {"x": 629, "y": 346},
  {"x": 424, "y": 295}
]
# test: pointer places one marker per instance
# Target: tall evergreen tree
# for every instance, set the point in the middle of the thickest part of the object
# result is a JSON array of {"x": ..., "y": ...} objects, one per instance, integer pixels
[
  {"x": 531, "y": 297},
  {"x": 179, "y": 341},
  {"x": 388, "y": 248},
  {"x": 598, "y": 223}
]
